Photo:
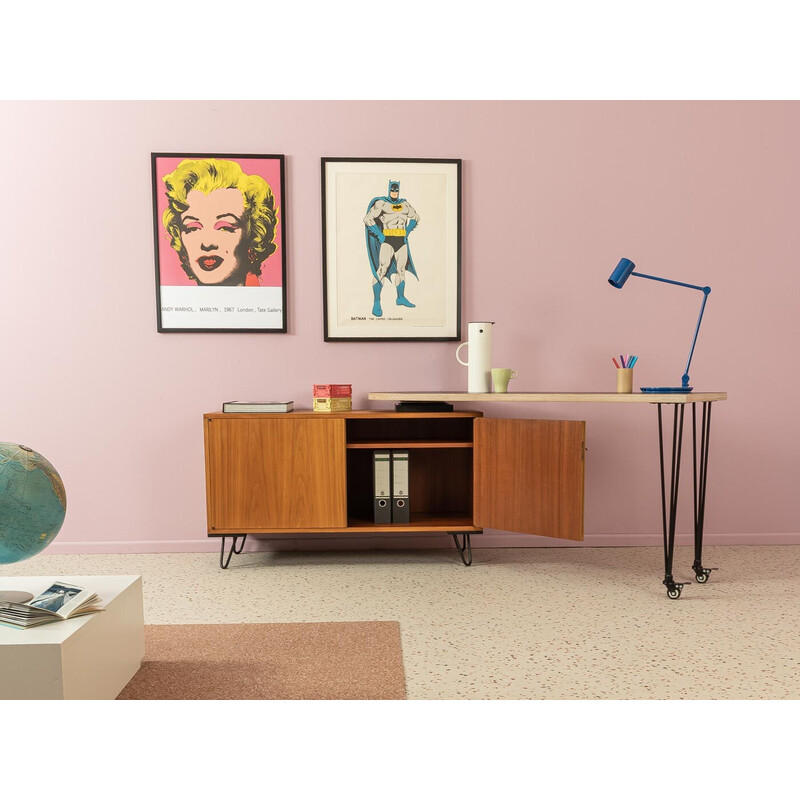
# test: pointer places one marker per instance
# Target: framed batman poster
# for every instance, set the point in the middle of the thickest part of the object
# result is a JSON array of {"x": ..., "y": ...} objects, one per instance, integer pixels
[{"x": 391, "y": 249}]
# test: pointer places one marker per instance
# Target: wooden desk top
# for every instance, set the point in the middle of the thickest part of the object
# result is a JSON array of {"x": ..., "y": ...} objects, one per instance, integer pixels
[
  {"x": 353, "y": 414},
  {"x": 551, "y": 397}
]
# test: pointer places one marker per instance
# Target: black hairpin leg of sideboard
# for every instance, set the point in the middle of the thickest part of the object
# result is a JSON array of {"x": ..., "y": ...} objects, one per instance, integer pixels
[
  {"x": 701, "y": 573},
  {"x": 465, "y": 548},
  {"x": 669, "y": 511},
  {"x": 223, "y": 561}
]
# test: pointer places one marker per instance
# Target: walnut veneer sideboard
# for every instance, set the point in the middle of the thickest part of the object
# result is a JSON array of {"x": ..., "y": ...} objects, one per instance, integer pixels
[{"x": 308, "y": 472}]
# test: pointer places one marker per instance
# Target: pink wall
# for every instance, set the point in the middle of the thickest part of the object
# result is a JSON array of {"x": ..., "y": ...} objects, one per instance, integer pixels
[{"x": 554, "y": 193}]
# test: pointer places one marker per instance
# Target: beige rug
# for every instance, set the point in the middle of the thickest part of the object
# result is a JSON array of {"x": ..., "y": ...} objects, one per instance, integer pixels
[{"x": 275, "y": 661}]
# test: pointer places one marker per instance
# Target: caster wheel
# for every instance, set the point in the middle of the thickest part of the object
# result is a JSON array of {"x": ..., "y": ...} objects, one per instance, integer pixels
[
  {"x": 701, "y": 577},
  {"x": 675, "y": 593}
]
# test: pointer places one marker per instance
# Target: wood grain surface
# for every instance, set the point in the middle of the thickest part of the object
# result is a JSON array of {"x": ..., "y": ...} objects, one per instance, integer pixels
[
  {"x": 266, "y": 473},
  {"x": 529, "y": 476}
]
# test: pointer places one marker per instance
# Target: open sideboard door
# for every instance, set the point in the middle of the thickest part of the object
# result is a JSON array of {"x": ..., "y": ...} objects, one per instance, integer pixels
[{"x": 528, "y": 476}]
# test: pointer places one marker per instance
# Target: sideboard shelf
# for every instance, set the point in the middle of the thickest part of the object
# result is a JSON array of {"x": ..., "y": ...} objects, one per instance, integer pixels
[
  {"x": 419, "y": 522},
  {"x": 384, "y": 445}
]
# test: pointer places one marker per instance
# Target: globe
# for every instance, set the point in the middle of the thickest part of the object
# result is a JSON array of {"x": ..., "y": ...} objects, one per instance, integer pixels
[{"x": 33, "y": 502}]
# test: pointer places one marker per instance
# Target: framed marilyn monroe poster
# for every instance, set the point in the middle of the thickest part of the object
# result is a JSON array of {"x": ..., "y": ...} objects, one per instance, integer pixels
[
  {"x": 391, "y": 249},
  {"x": 220, "y": 251}
]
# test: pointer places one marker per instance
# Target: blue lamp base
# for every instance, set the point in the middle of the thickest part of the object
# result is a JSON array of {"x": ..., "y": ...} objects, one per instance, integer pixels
[{"x": 667, "y": 389}]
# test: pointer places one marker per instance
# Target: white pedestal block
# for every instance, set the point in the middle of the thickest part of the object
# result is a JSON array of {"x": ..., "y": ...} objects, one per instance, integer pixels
[{"x": 88, "y": 658}]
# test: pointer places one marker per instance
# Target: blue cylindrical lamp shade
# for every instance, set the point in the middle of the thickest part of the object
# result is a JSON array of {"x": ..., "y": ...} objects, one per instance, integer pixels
[{"x": 621, "y": 273}]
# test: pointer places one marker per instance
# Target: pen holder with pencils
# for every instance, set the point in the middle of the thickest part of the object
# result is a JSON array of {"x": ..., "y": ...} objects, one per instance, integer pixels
[
  {"x": 625, "y": 373},
  {"x": 625, "y": 380}
]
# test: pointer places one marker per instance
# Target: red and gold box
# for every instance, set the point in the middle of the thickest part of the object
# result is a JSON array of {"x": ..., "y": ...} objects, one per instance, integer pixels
[
  {"x": 333, "y": 404},
  {"x": 333, "y": 390}
]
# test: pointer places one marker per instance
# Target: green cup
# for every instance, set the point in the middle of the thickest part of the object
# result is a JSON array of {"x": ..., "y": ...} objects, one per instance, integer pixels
[{"x": 501, "y": 377}]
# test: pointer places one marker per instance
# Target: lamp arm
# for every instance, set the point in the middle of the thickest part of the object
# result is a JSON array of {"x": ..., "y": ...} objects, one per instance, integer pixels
[
  {"x": 674, "y": 283},
  {"x": 706, "y": 290}
]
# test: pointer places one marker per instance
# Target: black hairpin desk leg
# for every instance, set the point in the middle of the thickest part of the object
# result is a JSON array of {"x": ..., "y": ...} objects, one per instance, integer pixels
[
  {"x": 669, "y": 511},
  {"x": 701, "y": 573},
  {"x": 223, "y": 562}
]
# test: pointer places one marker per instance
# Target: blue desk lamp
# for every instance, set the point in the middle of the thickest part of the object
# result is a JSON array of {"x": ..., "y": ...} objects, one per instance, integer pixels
[{"x": 623, "y": 271}]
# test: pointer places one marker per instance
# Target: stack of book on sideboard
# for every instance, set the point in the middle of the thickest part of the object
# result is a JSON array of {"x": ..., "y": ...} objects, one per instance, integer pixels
[
  {"x": 257, "y": 406},
  {"x": 333, "y": 397}
]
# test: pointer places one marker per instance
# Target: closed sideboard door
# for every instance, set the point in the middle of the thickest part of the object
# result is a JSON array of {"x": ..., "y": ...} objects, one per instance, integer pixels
[
  {"x": 275, "y": 473},
  {"x": 528, "y": 476}
]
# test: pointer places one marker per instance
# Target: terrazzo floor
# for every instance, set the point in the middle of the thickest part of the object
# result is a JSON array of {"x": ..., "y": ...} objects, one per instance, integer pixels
[{"x": 539, "y": 623}]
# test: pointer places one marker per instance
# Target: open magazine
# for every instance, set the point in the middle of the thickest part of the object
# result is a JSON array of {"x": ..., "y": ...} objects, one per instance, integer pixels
[{"x": 59, "y": 601}]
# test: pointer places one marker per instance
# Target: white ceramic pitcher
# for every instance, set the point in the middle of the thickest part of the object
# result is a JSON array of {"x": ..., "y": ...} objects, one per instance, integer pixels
[{"x": 479, "y": 366}]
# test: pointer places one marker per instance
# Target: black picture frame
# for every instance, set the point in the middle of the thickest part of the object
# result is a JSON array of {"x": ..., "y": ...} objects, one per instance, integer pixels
[
  {"x": 427, "y": 309},
  {"x": 244, "y": 287}
]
